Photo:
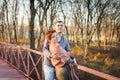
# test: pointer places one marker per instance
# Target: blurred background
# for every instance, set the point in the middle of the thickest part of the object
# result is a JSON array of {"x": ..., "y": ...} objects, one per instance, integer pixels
[{"x": 92, "y": 28}]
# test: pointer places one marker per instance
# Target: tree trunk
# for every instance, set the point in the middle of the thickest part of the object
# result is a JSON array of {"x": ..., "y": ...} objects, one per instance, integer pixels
[
  {"x": 41, "y": 27},
  {"x": 3, "y": 38},
  {"x": 40, "y": 35},
  {"x": 15, "y": 32},
  {"x": 105, "y": 37},
  {"x": 8, "y": 25},
  {"x": 31, "y": 31},
  {"x": 15, "y": 20}
]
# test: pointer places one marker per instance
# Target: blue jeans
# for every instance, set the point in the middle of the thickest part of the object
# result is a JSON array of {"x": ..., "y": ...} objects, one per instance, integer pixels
[{"x": 49, "y": 72}]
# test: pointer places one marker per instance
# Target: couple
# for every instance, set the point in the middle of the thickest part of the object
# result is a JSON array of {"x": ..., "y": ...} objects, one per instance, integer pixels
[{"x": 57, "y": 55}]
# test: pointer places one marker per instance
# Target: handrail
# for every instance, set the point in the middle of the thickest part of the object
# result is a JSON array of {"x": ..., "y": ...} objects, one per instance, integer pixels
[
  {"x": 97, "y": 73},
  {"x": 18, "y": 55},
  {"x": 21, "y": 59}
]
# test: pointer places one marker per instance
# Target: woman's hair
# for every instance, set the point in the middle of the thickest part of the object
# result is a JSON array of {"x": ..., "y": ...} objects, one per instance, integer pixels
[{"x": 49, "y": 34}]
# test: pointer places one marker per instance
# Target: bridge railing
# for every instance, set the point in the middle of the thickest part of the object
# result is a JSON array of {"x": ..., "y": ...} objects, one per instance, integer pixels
[{"x": 23, "y": 60}]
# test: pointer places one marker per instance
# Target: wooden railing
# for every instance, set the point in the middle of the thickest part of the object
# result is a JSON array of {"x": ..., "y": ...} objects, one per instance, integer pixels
[
  {"x": 23, "y": 60},
  {"x": 97, "y": 73}
]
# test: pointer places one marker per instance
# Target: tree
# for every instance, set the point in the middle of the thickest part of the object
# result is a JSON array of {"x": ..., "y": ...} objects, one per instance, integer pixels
[
  {"x": 9, "y": 32},
  {"x": 43, "y": 8},
  {"x": 31, "y": 24},
  {"x": 101, "y": 7},
  {"x": 14, "y": 18},
  {"x": 2, "y": 21},
  {"x": 53, "y": 11}
]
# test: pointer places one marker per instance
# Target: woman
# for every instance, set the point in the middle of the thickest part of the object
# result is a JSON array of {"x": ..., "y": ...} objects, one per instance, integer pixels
[{"x": 60, "y": 58}]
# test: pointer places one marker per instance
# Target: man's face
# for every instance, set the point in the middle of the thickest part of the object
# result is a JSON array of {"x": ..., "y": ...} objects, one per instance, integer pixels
[{"x": 59, "y": 27}]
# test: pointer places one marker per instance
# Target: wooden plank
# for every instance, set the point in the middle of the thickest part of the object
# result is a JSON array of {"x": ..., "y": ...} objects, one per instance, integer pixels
[{"x": 9, "y": 73}]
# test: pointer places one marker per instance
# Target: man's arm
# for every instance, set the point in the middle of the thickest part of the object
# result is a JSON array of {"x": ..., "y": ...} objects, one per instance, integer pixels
[
  {"x": 46, "y": 49},
  {"x": 67, "y": 47}
]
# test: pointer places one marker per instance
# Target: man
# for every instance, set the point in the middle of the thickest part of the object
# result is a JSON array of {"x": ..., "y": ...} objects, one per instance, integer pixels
[{"x": 49, "y": 70}]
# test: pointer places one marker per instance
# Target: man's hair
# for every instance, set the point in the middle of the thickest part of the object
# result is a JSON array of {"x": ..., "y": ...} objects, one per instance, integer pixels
[
  {"x": 59, "y": 22},
  {"x": 49, "y": 34}
]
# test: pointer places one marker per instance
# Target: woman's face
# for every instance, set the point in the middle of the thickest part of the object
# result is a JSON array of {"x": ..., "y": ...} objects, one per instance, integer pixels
[{"x": 54, "y": 37}]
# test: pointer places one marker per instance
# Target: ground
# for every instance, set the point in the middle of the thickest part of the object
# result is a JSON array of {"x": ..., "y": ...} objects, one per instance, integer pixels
[{"x": 106, "y": 61}]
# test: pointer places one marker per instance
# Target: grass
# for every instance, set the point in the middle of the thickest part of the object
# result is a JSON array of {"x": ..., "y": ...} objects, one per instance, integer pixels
[{"x": 106, "y": 61}]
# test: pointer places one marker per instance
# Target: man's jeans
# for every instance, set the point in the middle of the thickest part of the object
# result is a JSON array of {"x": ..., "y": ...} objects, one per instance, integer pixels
[{"x": 49, "y": 72}]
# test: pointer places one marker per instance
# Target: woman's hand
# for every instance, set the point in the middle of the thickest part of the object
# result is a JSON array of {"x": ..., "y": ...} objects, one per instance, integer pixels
[{"x": 54, "y": 48}]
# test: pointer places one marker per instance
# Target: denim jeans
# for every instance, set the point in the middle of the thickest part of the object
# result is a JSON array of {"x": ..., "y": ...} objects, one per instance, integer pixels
[{"x": 49, "y": 72}]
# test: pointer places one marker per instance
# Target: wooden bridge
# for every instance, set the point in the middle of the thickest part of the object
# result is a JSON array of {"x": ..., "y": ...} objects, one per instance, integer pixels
[
  {"x": 18, "y": 62},
  {"x": 9, "y": 73}
]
